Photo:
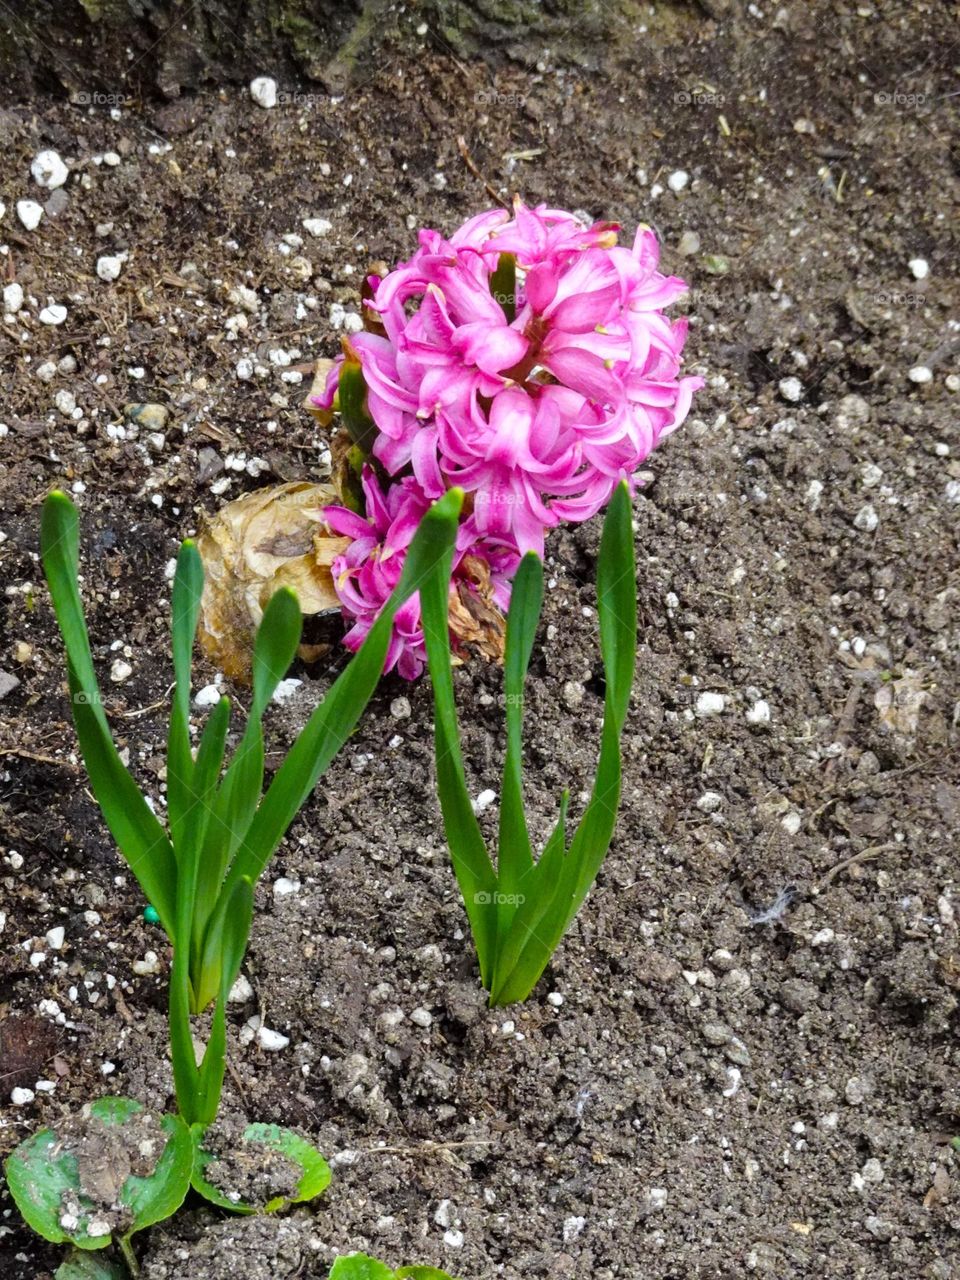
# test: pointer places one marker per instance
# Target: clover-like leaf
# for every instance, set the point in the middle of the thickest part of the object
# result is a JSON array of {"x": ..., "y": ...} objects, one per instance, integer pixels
[
  {"x": 357, "y": 1266},
  {"x": 88, "y": 1266},
  {"x": 314, "y": 1170},
  {"x": 422, "y": 1273},
  {"x": 66, "y": 1198}
]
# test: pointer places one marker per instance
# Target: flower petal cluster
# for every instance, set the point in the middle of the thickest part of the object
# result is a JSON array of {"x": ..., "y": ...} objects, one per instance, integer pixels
[
  {"x": 367, "y": 572},
  {"x": 525, "y": 359}
]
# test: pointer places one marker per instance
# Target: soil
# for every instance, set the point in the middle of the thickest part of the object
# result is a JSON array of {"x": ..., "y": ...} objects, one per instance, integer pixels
[
  {"x": 244, "y": 1170},
  {"x": 743, "y": 1059},
  {"x": 106, "y": 1156}
]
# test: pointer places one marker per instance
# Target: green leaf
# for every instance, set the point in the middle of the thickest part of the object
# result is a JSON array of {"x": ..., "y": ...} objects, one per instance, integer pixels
[
  {"x": 236, "y": 802},
  {"x": 187, "y": 590},
  {"x": 503, "y": 285},
  {"x": 334, "y": 720},
  {"x": 314, "y": 1180},
  {"x": 514, "y": 851},
  {"x": 468, "y": 850},
  {"x": 39, "y": 1172},
  {"x": 88, "y": 1266},
  {"x": 422, "y": 1273},
  {"x": 352, "y": 399},
  {"x": 564, "y": 883},
  {"x": 139, "y": 836},
  {"x": 231, "y": 945},
  {"x": 357, "y": 1266}
]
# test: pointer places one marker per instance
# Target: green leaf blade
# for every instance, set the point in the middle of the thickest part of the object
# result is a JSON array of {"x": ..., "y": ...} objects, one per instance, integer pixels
[{"x": 139, "y": 836}]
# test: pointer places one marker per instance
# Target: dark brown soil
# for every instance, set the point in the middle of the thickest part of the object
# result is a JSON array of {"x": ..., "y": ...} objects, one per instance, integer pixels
[
  {"x": 251, "y": 1172},
  {"x": 755, "y": 1066},
  {"x": 106, "y": 1156}
]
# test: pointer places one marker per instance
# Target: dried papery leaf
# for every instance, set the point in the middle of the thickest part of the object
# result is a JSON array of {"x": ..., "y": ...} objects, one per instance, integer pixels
[
  {"x": 475, "y": 620},
  {"x": 321, "y": 368},
  {"x": 346, "y": 468},
  {"x": 271, "y": 538},
  {"x": 900, "y": 702}
]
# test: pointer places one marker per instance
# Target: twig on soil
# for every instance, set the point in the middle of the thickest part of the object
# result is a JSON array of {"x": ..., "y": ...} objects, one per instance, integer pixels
[
  {"x": 471, "y": 164},
  {"x": 24, "y": 754},
  {"x": 142, "y": 711},
  {"x": 865, "y": 855},
  {"x": 426, "y": 1148}
]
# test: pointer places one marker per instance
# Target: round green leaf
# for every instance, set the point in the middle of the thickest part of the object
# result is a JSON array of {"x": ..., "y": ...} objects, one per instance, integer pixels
[
  {"x": 422, "y": 1273},
  {"x": 315, "y": 1176},
  {"x": 39, "y": 1171},
  {"x": 87, "y": 1266},
  {"x": 357, "y": 1266}
]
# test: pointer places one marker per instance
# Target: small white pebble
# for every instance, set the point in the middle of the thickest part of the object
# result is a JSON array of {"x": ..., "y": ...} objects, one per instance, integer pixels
[
  {"x": 421, "y": 1017},
  {"x": 317, "y": 226},
  {"x": 920, "y": 374},
  {"x": 272, "y": 1041},
  {"x": 866, "y": 519},
  {"x": 120, "y": 671},
  {"x": 286, "y": 689},
  {"x": 21, "y": 1097},
  {"x": 109, "y": 266},
  {"x": 572, "y": 1228},
  {"x": 48, "y": 170},
  {"x": 283, "y": 887},
  {"x": 791, "y": 822},
  {"x": 813, "y": 495},
  {"x": 241, "y": 991},
  {"x": 483, "y": 801},
  {"x": 453, "y": 1238},
  {"x": 148, "y": 965},
  {"x": 66, "y": 402},
  {"x": 710, "y": 704},
  {"x": 678, "y": 180},
  {"x": 54, "y": 314},
  {"x": 29, "y": 213},
  {"x": 919, "y": 267},
  {"x": 759, "y": 713},
  {"x": 208, "y": 696},
  {"x": 657, "y": 1197},
  {"x": 12, "y": 298},
  {"x": 555, "y": 998},
  {"x": 55, "y": 937},
  {"x": 710, "y": 802},
  {"x": 107, "y": 1069},
  {"x": 791, "y": 389},
  {"x": 263, "y": 90}
]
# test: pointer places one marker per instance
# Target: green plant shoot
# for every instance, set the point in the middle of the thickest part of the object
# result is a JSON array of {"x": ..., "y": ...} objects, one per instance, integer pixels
[
  {"x": 222, "y": 829},
  {"x": 520, "y": 909}
]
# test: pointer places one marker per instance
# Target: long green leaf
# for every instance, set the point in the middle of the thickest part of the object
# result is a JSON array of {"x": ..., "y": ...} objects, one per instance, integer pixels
[
  {"x": 468, "y": 850},
  {"x": 569, "y": 884},
  {"x": 236, "y": 932},
  {"x": 274, "y": 648},
  {"x": 514, "y": 851},
  {"x": 537, "y": 891},
  {"x": 185, "y": 609},
  {"x": 334, "y": 720},
  {"x": 139, "y": 836}
]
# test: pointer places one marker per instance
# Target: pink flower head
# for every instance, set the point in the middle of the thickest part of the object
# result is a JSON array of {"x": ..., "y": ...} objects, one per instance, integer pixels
[
  {"x": 368, "y": 571},
  {"x": 537, "y": 409},
  {"x": 527, "y": 360}
]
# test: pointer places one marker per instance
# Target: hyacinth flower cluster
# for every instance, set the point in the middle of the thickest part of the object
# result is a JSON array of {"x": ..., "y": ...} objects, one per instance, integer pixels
[{"x": 526, "y": 360}]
